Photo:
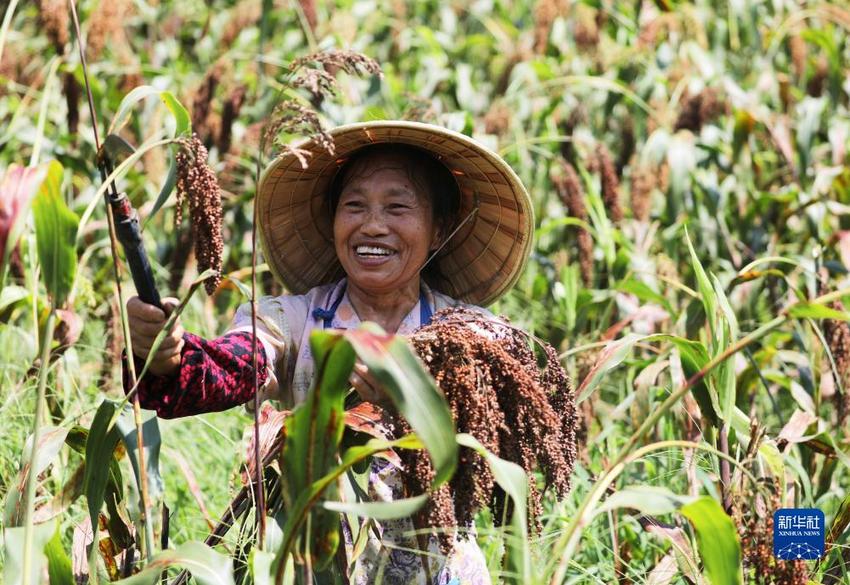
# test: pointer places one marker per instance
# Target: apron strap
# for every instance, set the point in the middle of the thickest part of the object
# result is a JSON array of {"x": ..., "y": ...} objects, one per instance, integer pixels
[
  {"x": 425, "y": 312},
  {"x": 327, "y": 315}
]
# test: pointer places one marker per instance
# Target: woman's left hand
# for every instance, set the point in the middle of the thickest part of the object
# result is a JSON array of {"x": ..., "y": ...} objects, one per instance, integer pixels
[{"x": 369, "y": 388}]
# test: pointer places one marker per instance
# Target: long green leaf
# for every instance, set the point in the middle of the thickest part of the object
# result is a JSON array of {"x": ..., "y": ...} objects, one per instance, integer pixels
[
  {"x": 100, "y": 445},
  {"x": 717, "y": 541},
  {"x": 125, "y": 108},
  {"x": 182, "y": 121},
  {"x": 165, "y": 192},
  {"x": 413, "y": 393},
  {"x": 153, "y": 441},
  {"x": 299, "y": 510},
  {"x": 727, "y": 335},
  {"x": 609, "y": 358},
  {"x": 313, "y": 435},
  {"x": 694, "y": 357},
  {"x": 207, "y": 566},
  {"x": 805, "y": 310},
  {"x": 647, "y": 499},
  {"x": 49, "y": 443},
  {"x": 403, "y": 508},
  {"x": 55, "y": 230},
  {"x": 706, "y": 291}
]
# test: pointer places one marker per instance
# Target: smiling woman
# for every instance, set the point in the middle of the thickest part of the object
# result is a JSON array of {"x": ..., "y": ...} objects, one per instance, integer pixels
[
  {"x": 391, "y": 210},
  {"x": 350, "y": 235}
]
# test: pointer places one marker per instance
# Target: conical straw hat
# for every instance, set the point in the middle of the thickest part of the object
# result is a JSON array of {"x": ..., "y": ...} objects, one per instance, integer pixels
[{"x": 481, "y": 261}]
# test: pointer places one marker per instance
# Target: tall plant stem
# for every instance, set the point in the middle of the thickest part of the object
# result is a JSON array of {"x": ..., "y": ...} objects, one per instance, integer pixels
[
  {"x": 258, "y": 460},
  {"x": 144, "y": 519},
  {"x": 569, "y": 539},
  {"x": 32, "y": 480}
]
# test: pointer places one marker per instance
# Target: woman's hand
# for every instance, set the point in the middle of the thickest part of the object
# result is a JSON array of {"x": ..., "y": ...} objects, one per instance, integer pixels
[
  {"x": 369, "y": 389},
  {"x": 146, "y": 321}
]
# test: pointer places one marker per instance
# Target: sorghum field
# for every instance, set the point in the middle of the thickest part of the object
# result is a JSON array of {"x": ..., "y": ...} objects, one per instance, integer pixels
[{"x": 688, "y": 164}]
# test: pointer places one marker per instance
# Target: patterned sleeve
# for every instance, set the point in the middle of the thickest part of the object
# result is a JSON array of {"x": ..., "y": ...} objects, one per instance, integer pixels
[{"x": 214, "y": 375}]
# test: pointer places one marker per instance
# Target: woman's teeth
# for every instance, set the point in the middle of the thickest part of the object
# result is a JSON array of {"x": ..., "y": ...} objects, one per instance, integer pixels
[{"x": 372, "y": 251}]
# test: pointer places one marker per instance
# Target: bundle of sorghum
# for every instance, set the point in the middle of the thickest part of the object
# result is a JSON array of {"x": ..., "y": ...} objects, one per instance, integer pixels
[{"x": 490, "y": 376}]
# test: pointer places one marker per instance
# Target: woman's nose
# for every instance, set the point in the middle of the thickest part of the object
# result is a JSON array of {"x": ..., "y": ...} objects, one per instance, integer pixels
[{"x": 375, "y": 223}]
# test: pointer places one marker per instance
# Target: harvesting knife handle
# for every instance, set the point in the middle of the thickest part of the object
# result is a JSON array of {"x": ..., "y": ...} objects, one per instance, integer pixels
[{"x": 127, "y": 231}]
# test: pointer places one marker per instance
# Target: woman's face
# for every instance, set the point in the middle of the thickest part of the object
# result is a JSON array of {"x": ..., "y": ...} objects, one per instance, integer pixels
[{"x": 383, "y": 225}]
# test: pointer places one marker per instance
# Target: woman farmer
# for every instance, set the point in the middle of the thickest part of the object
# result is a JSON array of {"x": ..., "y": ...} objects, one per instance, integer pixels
[{"x": 403, "y": 220}]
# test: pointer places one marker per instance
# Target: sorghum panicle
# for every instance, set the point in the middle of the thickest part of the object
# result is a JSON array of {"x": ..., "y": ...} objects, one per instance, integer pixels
[
  {"x": 586, "y": 32},
  {"x": 568, "y": 186},
  {"x": 197, "y": 183},
  {"x": 610, "y": 183},
  {"x": 699, "y": 109},
  {"x": 640, "y": 194},
  {"x": 755, "y": 527},
  {"x": 53, "y": 15},
  {"x": 837, "y": 335},
  {"x": 799, "y": 53},
  {"x": 817, "y": 82},
  {"x": 545, "y": 12},
  {"x": 242, "y": 16},
  {"x": 202, "y": 101},
  {"x": 290, "y": 117},
  {"x": 229, "y": 114}
]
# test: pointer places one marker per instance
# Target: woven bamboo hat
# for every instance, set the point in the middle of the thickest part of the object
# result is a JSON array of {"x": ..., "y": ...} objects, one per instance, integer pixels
[{"x": 480, "y": 262}]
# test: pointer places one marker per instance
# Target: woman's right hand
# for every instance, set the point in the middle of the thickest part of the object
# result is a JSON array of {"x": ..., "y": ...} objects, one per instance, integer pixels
[{"x": 146, "y": 321}]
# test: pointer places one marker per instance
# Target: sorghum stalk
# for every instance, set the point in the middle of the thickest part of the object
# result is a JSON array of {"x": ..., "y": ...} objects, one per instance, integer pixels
[{"x": 32, "y": 480}]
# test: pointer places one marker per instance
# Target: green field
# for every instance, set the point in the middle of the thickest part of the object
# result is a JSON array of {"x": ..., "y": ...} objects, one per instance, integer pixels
[{"x": 688, "y": 165}]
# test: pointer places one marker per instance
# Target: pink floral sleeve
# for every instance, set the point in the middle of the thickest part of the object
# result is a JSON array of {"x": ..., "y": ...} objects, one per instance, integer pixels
[{"x": 214, "y": 375}]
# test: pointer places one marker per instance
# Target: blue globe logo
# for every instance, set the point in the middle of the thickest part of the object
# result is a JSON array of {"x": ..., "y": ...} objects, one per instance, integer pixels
[{"x": 798, "y": 551}]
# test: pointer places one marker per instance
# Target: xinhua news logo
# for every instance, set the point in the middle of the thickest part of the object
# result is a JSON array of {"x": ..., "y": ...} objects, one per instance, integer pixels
[{"x": 798, "y": 534}]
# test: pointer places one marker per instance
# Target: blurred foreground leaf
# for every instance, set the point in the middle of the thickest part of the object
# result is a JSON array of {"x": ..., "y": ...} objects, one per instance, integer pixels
[
  {"x": 17, "y": 189},
  {"x": 413, "y": 393},
  {"x": 313, "y": 434}
]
